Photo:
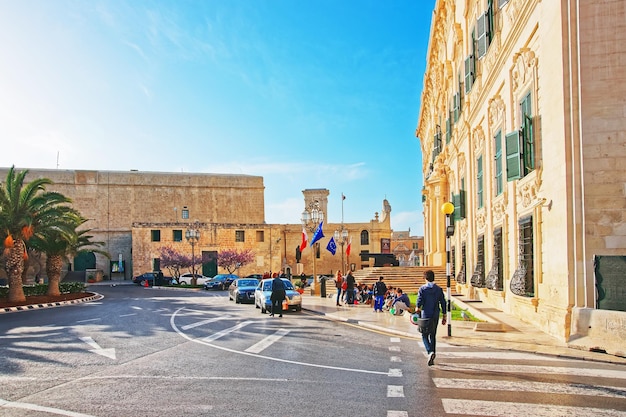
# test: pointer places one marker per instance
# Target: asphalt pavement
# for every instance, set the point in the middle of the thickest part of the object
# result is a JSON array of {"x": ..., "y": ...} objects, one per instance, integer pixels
[{"x": 497, "y": 330}]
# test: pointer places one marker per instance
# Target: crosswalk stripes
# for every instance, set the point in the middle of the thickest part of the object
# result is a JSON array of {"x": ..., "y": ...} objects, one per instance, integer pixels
[{"x": 476, "y": 383}]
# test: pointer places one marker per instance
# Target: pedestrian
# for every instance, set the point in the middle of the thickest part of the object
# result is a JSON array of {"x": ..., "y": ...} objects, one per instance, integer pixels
[
  {"x": 277, "y": 297},
  {"x": 380, "y": 289},
  {"x": 401, "y": 302},
  {"x": 338, "y": 282},
  {"x": 350, "y": 284},
  {"x": 430, "y": 303}
]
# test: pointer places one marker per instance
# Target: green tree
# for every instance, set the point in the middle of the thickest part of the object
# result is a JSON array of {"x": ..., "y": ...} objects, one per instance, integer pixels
[
  {"x": 25, "y": 209},
  {"x": 62, "y": 241}
]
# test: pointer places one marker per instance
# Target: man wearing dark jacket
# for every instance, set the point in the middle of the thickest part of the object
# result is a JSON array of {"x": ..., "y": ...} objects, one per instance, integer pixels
[
  {"x": 350, "y": 281},
  {"x": 430, "y": 302},
  {"x": 380, "y": 289},
  {"x": 277, "y": 297}
]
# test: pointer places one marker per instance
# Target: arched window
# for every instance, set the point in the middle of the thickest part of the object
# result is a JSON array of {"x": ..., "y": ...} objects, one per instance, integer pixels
[{"x": 365, "y": 237}]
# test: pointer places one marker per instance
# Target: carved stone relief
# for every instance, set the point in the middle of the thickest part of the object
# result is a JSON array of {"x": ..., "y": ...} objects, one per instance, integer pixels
[
  {"x": 524, "y": 63},
  {"x": 496, "y": 112},
  {"x": 498, "y": 209},
  {"x": 527, "y": 192},
  {"x": 481, "y": 219},
  {"x": 513, "y": 10},
  {"x": 478, "y": 139}
]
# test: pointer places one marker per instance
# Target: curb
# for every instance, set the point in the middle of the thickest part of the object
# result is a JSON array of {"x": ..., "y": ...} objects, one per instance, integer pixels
[{"x": 93, "y": 297}]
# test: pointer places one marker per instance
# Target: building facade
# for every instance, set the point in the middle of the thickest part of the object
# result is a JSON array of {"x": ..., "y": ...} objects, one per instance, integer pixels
[
  {"x": 135, "y": 214},
  {"x": 522, "y": 128}
]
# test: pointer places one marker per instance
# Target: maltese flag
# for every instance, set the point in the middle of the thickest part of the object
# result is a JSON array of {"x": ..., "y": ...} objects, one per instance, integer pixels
[
  {"x": 349, "y": 247},
  {"x": 305, "y": 239}
]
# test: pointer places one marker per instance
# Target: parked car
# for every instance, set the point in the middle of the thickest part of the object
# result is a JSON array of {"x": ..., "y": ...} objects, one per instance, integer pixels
[
  {"x": 242, "y": 290},
  {"x": 149, "y": 278},
  {"x": 186, "y": 279},
  {"x": 258, "y": 277},
  {"x": 263, "y": 292},
  {"x": 220, "y": 282}
]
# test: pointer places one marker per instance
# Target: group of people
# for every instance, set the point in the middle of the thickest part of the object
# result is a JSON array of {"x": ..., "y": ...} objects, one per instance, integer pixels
[{"x": 430, "y": 303}]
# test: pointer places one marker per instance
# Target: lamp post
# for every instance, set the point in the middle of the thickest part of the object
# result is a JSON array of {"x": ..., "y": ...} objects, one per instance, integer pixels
[
  {"x": 311, "y": 218},
  {"x": 193, "y": 235},
  {"x": 341, "y": 237},
  {"x": 447, "y": 209}
]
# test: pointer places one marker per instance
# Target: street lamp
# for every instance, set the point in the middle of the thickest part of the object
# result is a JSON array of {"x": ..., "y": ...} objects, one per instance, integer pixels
[
  {"x": 341, "y": 236},
  {"x": 447, "y": 209},
  {"x": 193, "y": 235},
  {"x": 312, "y": 216}
]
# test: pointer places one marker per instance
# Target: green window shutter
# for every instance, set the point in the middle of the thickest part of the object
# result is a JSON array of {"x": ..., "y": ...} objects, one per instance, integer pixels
[
  {"x": 498, "y": 162},
  {"x": 528, "y": 151},
  {"x": 479, "y": 181},
  {"x": 456, "y": 107},
  {"x": 513, "y": 156},
  {"x": 482, "y": 41},
  {"x": 490, "y": 26},
  {"x": 459, "y": 205},
  {"x": 448, "y": 130},
  {"x": 469, "y": 73}
]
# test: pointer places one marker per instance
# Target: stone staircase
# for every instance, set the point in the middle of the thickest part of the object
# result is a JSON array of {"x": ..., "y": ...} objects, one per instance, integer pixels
[{"x": 409, "y": 278}]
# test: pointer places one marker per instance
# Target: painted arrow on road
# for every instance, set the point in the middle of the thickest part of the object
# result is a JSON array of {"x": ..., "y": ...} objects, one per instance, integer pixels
[{"x": 109, "y": 353}]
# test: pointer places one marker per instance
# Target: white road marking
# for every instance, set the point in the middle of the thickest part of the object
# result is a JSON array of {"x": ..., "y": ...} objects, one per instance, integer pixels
[
  {"x": 88, "y": 320},
  {"x": 394, "y": 348},
  {"x": 109, "y": 353},
  {"x": 394, "y": 340},
  {"x": 225, "y": 349},
  {"x": 127, "y": 315},
  {"x": 395, "y": 372},
  {"x": 34, "y": 407},
  {"x": 203, "y": 322},
  {"x": 529, "y": 369},
  {"x": 224, "y": 332},
  {"x": 500, "y": 355},
  {"x": 544, "y": 387},
  {"x": 395, "y": 359},
  {"x": 267, "y": 342},
  {"x": 392, "y": 413},
  {"x": 395, "y": 391},
  {"x": 500, "y": 408}
]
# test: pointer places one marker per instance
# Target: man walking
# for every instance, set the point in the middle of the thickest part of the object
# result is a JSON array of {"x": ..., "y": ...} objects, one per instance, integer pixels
[
  {"x": 277, "y": 297},
  {"x": 380, "y": 289},
  {"x": 430, "y": 302}
]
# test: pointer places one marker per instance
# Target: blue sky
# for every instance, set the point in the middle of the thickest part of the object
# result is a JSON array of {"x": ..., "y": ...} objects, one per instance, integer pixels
[{"x": 307, "y": 94}]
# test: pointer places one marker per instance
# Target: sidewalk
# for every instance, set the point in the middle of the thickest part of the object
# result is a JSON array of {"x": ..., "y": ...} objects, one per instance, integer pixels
[{"x": 499, "y": 331}]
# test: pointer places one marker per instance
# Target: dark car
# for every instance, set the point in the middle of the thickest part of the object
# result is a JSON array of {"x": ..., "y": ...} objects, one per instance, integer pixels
[
  {"x": 242, "y": 290},
  {"x": 149, "y": 277},
  {"x": 220, "y": 282},
  {"x": 258, "y": 277}
]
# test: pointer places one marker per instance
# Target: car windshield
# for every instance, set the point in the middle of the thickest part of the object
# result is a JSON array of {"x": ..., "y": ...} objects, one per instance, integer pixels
[
  {"x": 248, "y": 283},
  {"x": 267, "y": 285}
]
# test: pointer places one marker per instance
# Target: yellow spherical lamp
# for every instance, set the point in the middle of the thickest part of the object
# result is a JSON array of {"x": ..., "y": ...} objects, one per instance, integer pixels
[{"x": 447, "y": 208}]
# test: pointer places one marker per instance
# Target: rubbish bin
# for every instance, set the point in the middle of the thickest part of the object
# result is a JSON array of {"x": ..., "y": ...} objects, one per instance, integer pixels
[{"x": 323, "y": 286}]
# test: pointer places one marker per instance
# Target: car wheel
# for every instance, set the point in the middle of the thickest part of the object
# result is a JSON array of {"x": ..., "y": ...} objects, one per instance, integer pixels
[
  {"x": 221, "y": 287},
  {"x": 256, "y": 305},
  {"x": 299, "y": 308},
  {"x": 143, "y": 283}
]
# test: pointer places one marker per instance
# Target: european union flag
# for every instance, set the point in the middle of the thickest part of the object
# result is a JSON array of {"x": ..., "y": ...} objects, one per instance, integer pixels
[
  {"x": 332, "y": 246},
  {"x": 318, "y": 234}
]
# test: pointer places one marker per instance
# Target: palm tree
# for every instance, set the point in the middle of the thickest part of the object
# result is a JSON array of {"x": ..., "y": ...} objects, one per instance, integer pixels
[
  {"x": 58, "y": 245},
  {"x": 25, "y": 209}
]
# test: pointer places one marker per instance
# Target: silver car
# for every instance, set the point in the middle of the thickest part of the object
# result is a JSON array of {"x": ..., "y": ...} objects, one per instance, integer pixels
[{"x": 264, "y": 291}]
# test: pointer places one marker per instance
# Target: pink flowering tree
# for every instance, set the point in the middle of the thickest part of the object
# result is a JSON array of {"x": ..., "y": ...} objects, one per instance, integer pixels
[
  {"x": 232, "y": 259},
  {"x": 174, "y": 260}
]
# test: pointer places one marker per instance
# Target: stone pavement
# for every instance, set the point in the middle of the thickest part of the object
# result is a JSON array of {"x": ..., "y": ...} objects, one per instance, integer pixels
[{"x": 498, "y": 331}]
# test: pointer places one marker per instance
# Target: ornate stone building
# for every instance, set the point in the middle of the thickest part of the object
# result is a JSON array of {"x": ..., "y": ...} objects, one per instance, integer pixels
[
  {"x": 522, "y": 128},
  {"x": 137, "y": 213}
]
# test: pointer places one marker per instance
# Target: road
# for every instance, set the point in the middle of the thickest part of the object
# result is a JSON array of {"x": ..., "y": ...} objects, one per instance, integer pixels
[{"x": 147, "y": 352}]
